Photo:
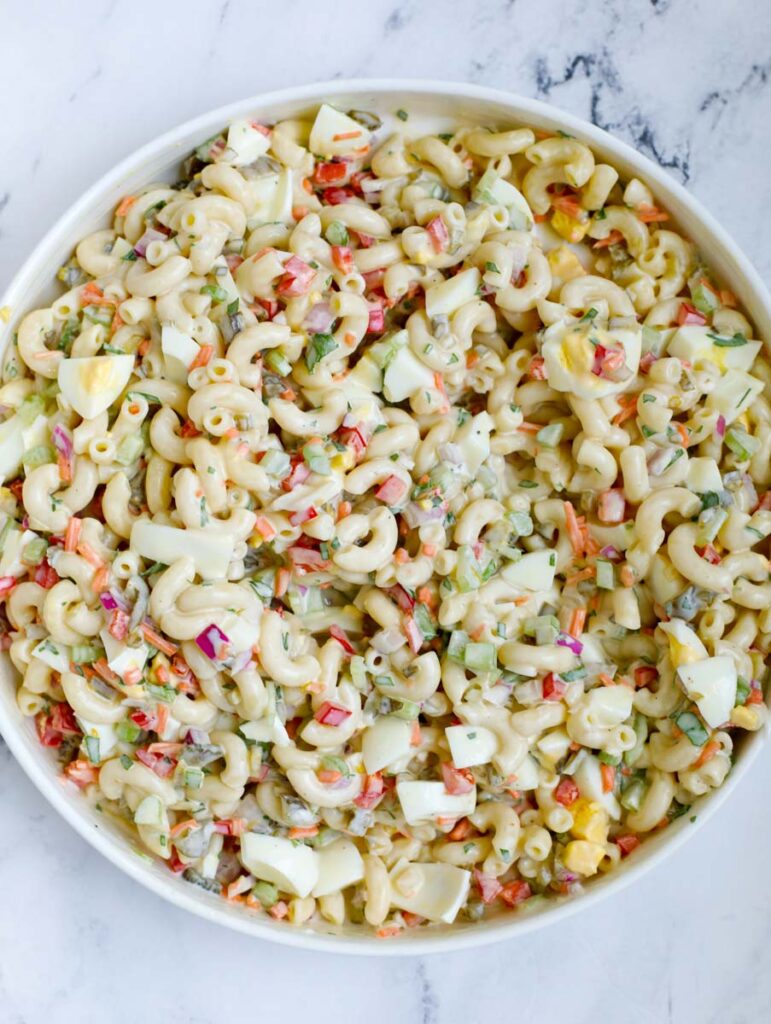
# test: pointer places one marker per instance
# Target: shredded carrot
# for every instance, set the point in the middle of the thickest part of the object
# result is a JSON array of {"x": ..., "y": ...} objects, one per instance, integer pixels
[
  {"x": 472, "y": 358},
  {"x": 304, "y": 832},
  {"x": 72, "y": 534},
  {"x": 416, "y": 737},
  {"x": 462, "y": 830},
  {"x": 143, "y": 346},
  {"x": 577, "y": 620},
  {"x": 605, "y": 679},
  {"x": 628, "y": 405},
  {"x": 626, "y": 576},
  {"x": 343, "y": 510},
  {"x": 341, "y": 136},
  {"x": 529, "y": 428},
  {"x": 132, "y": 676},
  {"x": 429, "y": 550},
  {"x": 163, "y": 747},
  {"x": 426, "y": 597},
  {"x": 298, "y": 212},
  {"x": 155, "y": 638},
  {"x": 101, "y": 579},
  {"x": 288, "y": 395},
  {"x": 202, "y": 358},
  {"x": 612, "y": 239},
  {"x": 328, "y": 775},
  {"x": 401, "y": 556},
  {"x": 282, "y": 582},
  {"x": 102, "y": 669},
  {"x": 162, "y": 674},
  {"x": 316, "y": 687},
  {"x": 265, "y": 527},
  {"x": 608, "y": 775},
  {"x": 279, "y": 910},
  {"x": 707, "y": 754},
  {"x": 349, "y": 338},
  {"x": 65, "y": 468},
  {"x": 92, "y": 295},
  {"x": 727, "y": 298},
  {"x": 161, "y": 722},
  {"x": 230, "y": 433},
  {"x": 522, "y": 599},
  {"x": 387, "y": 932},
  {"x": 90, "y": 555},
  {"x": 579, "y": 577},
  {"x": 125, "y": 205},
  {"x": 683, "y": 432},
  {"x": 650, "y": 214},
  {"x": 573, "y": 528}
]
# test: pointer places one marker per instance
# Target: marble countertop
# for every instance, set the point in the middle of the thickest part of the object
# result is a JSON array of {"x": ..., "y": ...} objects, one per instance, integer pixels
[{"x": 687, "y": 83}]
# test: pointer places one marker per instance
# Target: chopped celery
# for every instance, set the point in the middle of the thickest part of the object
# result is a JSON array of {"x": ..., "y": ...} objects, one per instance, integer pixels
[
  {"x": 407, "y": 709},
  {"x": 33, "y": 552},
  {"x": 39, "y": 456},
  {"x": 29, "y": 410},
  {"x": 742, "y": 691},
  {"x": 91, "y": 745},
  {"x": 85, "y": 654},
  {"x": 333, "y": 763},
  {"x": 521, "y": 523},
  {"x": 480, "y": 657},
  {"x": 551, "y": 435},
  {"x": 336, "y": 233},
  {"x": 632, "y": 794},
  {"x": 457, "y": 645},
  {"x": 704, "y": 297},
  {"x": 319, "y": 346},
  {"x": 263, "y": 584},
  {"x": 641, "y": 729},
  {"x": 266, "y": 893},
  {"x": 467, "y": 574},
  {"x": 688, "y": 723},
  {"x": 275, "y": 463},
  {"x": 193, "y": 778},
  {"x": 129, "y": 450},
  {"x": 127, "y": 731},
  {"x": 710, "y": 523},
  {"x": 317, "y": 459},
  {"x": 605, "y": 575},
  {"x": 742, "y": 444},
  {"x": 276, "y": 361},
  {"x": 358, "y": 672}
]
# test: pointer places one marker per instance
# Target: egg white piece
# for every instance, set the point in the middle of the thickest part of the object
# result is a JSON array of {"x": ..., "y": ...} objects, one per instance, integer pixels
[
  {"x": 568, "y": 354},
  {"x": 92, "y": 383}
]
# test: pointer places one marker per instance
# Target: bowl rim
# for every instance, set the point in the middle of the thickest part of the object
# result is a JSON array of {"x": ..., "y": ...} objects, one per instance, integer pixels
[{"x": 36, "y": 767}]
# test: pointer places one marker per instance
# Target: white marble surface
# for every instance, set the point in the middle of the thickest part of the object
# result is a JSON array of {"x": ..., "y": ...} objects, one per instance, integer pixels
[{"x": 684, "y": 80}]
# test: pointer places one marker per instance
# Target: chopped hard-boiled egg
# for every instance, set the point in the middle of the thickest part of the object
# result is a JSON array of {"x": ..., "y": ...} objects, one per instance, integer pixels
[
  {"x": 103, "y": 732},
  {"x": 573, "y": 351},
  {"x": 211, "y": 552},
  {"x": 435, "y": 891},
  {"x": 711, "y": 684},
  {"x": 697, "y": 344},
  {"x": 120, "y": 657},
  {"x": 245, "y": 143},
  {"x": 335, "y": 134},
  {"x": 703, "y": 475},
  {"x": 11, "y": 563},
  {"x": 340, "y": 865},
  {"x": 526, "y": 775},
  {"x": 426, "y": 801},
  {"x": 179, "y": 351},
  {"x": 734, "y": 393},
  {"x": 386, "y": 742},
  {"x": 684, "y": 645},
  {"x": 495, "y": 190},
  {"x": 583, "y": 857},
  {"x": 12, "y": 448},
  {"x": 449, "y": 295},
  {"x": 588, "y": 778},
  {"x": 590, "y": 820},
  {"x": 53, "y": 653},
  {"x": 273, "y": 199},
  {"x": 150, "y": 812},
  {"x": 404, "y": 375},
  {"x": 293, "y": 867},
  {"x": 92, "y": 383},
  {"x": 534, "y": 571},
  {"x": 607, "y": 706},
  {"x": 471, "y": 744},
  {"x": 473, "y": 439}
]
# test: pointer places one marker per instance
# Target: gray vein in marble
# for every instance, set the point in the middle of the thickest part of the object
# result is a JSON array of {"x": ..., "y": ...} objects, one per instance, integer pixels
[
  {"x": 719, "y": 100},
  {"x": 429, "y": 1006}
]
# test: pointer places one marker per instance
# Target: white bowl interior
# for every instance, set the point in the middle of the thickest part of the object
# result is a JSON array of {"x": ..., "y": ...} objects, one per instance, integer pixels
[{"x": 437, "y": 104}]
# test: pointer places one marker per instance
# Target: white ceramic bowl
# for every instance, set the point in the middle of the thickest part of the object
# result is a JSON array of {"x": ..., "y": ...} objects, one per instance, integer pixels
[{"x": 160, "y": 160}]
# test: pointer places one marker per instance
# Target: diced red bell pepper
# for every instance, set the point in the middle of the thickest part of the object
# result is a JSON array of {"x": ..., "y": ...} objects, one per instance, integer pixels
[
  {"x": 537, "y": 368},
  {"x": 330, "y": 174},
  {"x": 515, "y": 892},
  {"x": 414, "y": 636},
  {"x": 566, "y": 792},
  {"x": 303, "y": 515},
  {"x": 688, "y": 314},
  {"x": 489, "y": 886},
  {"x": 372, "y": 792},
  {"x": 308, "y": 558},
  {"x": 335, "y": 196},
  {"x": 297, "y": 278},
  {"x": 340, "y": 635},
  {"x": 438, "y": 233},
  {"x": 298, "y": 474},
  {"x": 342, "y": 257},
  {"x": 161, "y": 764},
  {"x": 457, "y": 780},
  {"x": 627, "y": 843},
  {"x": 644, "y": 675},
  {"x": 376, "y": 322},
  {"x": 62, "y": 718},
  {"x": 47, "y": 735},
  {"x": 391, "y": 491},
  {"x": 331, "y": 714},
  {"x": 119, "y": 625},
  {"x": 82, "y": 773},
  {"x": 553, "y": 687},
  {"x": 143, "y": 719},
  {"x": 405, "y": 601},
  {"x": 611, "y": 507}
]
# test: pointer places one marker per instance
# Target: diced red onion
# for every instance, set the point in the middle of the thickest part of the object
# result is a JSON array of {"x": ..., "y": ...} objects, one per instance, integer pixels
[
  {"x": 414, "y": 515},
  {"x": 610, "y": 552},
  {"x": 210, "y": 640},
  {"x": 198, "y": 736},
  {"x": 112, "y": 600},
  {"x": 150, "y": 235},
  {"x": 720, "y": 426},
  {"x": 566, "y": 640},
  {"x": 319, "y": 318},
  {"x": 62, "y": 441}
]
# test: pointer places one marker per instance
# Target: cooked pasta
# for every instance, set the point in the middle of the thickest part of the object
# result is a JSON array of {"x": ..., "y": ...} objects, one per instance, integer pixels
[{"x": 385, "y": 520}]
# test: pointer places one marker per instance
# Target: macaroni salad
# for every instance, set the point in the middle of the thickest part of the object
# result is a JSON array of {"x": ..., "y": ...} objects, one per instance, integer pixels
[{"x": 385, "y": 518}]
